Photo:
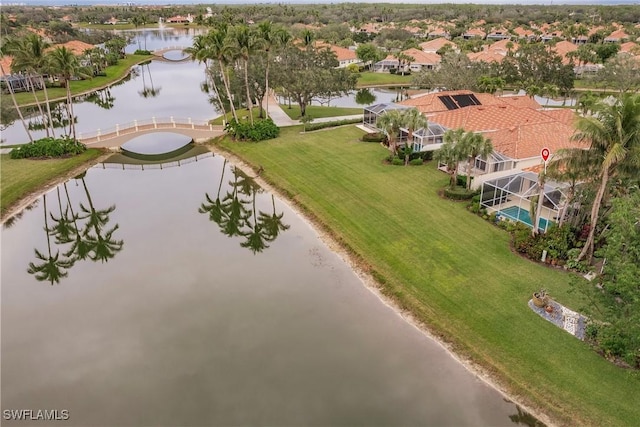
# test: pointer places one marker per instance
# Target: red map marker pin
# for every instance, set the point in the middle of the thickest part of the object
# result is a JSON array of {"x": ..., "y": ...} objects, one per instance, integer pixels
[{"x": 545, "y": 154}]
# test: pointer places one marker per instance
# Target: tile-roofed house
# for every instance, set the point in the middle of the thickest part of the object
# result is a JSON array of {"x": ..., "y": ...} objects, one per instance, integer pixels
[
  {"x": 520, "y": 101},
  {"x": 487, "y": 56},
  {"x": 503, "y": 46},
  {"x": 75, "y": 46},
  {"x": 421, "y": 61},
  {"x": 179, "y": 19},
  {"x": 499, "y": 34},
  {"x": 525, "y": 141},
  {"x": 524, "y": 33},
  {"x": 630, "y": 47},
  {"x": 548, "y": 36},
  {"x": 563, "y": 115},
  {"x": 432, "y": 46},
  {"x": 562, "y": 48},
  {"x": 345, "y": 56},
  {"x": 431, "y": 103},
  {"x": 483, "y": 118},
  {"x": 474, "y": 33},
  {"x": 367, "y": 28},
  {"x": 6, "y": 62},
  {"x": 438, "y": 32},
  {"x": 616, "y": 37}
]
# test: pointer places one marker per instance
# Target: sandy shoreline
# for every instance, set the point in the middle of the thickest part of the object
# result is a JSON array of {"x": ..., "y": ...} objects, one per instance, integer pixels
[{"x": 368, "y": 281}]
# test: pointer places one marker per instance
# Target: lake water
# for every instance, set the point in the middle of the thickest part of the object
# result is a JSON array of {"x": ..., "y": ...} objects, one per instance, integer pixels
[{"x": 163, "y": 309}]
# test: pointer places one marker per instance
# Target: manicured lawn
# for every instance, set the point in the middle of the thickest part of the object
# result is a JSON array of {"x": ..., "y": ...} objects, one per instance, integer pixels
[
  {"x": 243, "y": 114},
  {"x": 318, "y": 111},
  {"x": 451, "y": 269},
  {"x": 113, "y": 73},
  {"x": 22, "y": 176},
  {"x": 370, "y": 78}
]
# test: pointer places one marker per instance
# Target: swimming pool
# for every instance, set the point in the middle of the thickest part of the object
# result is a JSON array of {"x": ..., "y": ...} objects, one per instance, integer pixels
[{"x": 522, "y": 215}]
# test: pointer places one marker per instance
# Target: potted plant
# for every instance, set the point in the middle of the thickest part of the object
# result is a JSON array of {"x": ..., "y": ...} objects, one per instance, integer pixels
[{"x": 540, "y": 298}]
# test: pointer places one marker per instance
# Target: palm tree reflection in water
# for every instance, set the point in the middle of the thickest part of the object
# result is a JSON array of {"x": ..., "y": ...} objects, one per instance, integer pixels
[
  {"x": 83, "y": 235},
  {"x": 236, "y": 213}
]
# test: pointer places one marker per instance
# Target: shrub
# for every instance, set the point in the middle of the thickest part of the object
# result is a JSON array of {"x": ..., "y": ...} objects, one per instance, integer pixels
[
  {"x": 461, "y": 181},
  {"x": 459, "y": 194},
  {"x": 397, "y": 161},
  {"x": 323, "y": 125},
  {"x": 393, "y": 70},
  {"x": 142, "y": 52},
  {"x": 260, "y": 130},
  {"x": 374, "y": 137},
  {"x": 416, "y": 162},
  {"x": 48, "y": 147}
]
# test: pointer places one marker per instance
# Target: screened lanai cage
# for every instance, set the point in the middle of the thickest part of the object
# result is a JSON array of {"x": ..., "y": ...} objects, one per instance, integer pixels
[
  {"x": 511, "y": 198},
  {"x": 373, "y": 112},
  {"x": 427, "y": 139}
]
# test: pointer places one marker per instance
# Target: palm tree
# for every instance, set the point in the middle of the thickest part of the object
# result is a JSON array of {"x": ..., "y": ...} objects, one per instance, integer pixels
[
  {"x": 201, "y": 51},
  {"x": 256, "y": 238},
  {"x": 614, "y": 137},
  {"x": 236, "y": 214},
  {"x": 53, "y": 267},
  {"x": 215, "y": 207},
  {"x": 66, "y": 65},
  {"x": 245, "y": 44},
  {"x": 268, "y": 39},
  {"x": 29, "y": 56},
  {"x": 471, "y": 146},
  {"x": 449, "y": 154},
  {"x": 390, "y": 123},
  {"x": 412, "y": 120},
  {"x": 15, "y": 105},
  {"x": 216, "y": 40},
  {"x": 136, "y": 21},
  {"x": 308, "y": 37},
  {"x": 64, "y": 229}
]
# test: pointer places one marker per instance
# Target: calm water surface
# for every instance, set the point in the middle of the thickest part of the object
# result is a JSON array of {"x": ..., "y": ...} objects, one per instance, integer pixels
[{"x": 170, "y": 311}]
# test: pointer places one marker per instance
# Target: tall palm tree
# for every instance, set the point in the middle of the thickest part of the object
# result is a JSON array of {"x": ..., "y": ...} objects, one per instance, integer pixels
[
  {"x": 29, "y": 56},
  {"x": 390, "y": 123},
  {"x": 473, "y": 145},
  {"x": 449, "y": 154},
  {"x": 15, "y": 105},
  {"x": 136, "y": 21},
  {"x": 245, "y": 44},
  {"x": 52, "y": 269},
  {"x": 268, "y": 39},
  {"x": 614, "y": 137},
  {"x": 66, "y": 65},
  {"x": 217, "y": 42},
  {"x": 201, "y": 51},
  {"x": 412, "y": 120}
]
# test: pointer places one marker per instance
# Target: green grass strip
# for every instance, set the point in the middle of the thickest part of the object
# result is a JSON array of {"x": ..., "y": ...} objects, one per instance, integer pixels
[
  {"x": 449, "y": 268},
  {"x": 20, "y": 177},
  {"x": 319, "y": 111}
]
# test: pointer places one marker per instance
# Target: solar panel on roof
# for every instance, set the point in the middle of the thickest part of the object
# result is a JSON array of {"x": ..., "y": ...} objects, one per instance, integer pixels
[
  {"x": 475, "y": 100},
  {"x": 448, "y": 102},
  {"x": 464, "y": 100}
]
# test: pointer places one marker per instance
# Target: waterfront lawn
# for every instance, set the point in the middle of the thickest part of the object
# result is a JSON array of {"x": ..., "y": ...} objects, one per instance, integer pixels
[
  {"x": 369, "y": 78},
  {"x": 243, "y": 114},
  {"x": 113, "y": 73},
  {"x": 20, "y": 177},
  {"x": 319, "y": 111},
  {"x": 450, "y": 269}
]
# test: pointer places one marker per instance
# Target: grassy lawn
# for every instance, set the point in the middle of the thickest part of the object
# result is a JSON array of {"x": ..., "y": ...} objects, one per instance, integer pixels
[
  {"x": 22, "y": 176},
  {"x": 370, "y": 78},
  {"x": 113, "y": 73},
  {"x": 243, "y": 114},
  {"x": 451, "y": 269},
  {"x": 318, "y": 111}
]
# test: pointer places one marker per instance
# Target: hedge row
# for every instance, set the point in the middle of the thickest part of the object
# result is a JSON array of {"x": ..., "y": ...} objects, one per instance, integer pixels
[
  {"x": 48, "y": 147},
  {"x": 459, "y": 193},
  {"x": 323, "y": 125},
  {"x": 259, "y": 131}
]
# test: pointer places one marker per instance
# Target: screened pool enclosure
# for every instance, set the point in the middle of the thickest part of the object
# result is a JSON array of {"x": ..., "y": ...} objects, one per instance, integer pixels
[
  {"x": 424, "y": 139},
  {"x": 513, "y": 198}
]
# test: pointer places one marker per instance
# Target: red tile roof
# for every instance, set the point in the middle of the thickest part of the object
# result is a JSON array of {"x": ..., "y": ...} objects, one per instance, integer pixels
[
  {"x": 430, "y": 103},
  {"x": 420, "y": 57},
  {"x": 75, "y": 46},
  {"x": 520, "y": 101},
  {"x": 6, "y": 62},
  {"x": 485, "y": 56},
  {"x": 436, "y": 44}
]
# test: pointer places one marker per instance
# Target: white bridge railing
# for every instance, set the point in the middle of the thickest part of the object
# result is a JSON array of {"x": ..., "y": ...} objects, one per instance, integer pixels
[
  {"x": 148, "y": 124},
  {"x": 168, "y": 48}
]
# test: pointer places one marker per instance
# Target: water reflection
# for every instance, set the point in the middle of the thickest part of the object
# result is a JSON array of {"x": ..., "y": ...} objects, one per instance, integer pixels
[
  {"x": 81, "y": 234},
  {"x": 148, "y": 91},
  {"x": 526, "y": 419},
  {"x": 236, "y": 214}
]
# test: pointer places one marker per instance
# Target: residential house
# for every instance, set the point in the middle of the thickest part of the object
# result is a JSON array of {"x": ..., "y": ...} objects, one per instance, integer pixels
[
  {"x": 474, "y": 33},
  {"x": 179, "y": 19},
  {"x": 345, "y": 56},
  {"x": 433, "y": 46},
  {"x": 437, "y": 32},
  {"x": 499, "y": 34},
  {"x": 525, "y": 34},
  {"x": 421, "y": 61},
  {"x": 617, "y": 36}
]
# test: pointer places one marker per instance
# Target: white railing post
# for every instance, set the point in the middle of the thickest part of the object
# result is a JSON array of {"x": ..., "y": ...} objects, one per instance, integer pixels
[
  {"x": 173, "y": 122},
  {"x": 155, "y": 125},
  {"x": 135, "y": 123},
  {"x": 191, "y": 123},
  {"x": 117, "y": 130},
  {"x": 98, "y": 135}
]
